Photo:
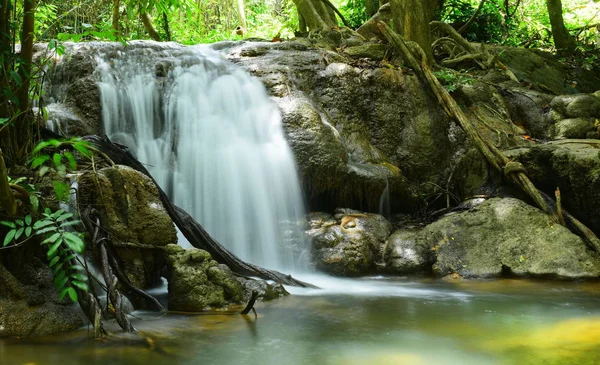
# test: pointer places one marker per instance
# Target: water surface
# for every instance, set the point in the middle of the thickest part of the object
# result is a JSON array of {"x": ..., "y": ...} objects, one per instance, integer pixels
[{"x": 372, "y": 321}]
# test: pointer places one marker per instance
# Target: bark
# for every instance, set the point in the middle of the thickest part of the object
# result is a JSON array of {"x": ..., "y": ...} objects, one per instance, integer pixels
[
  {"x": 115, "y": 15},
  {"x": 369, "y": 29},
  {"x": 562, "y": 39},
  {"x": 242, "y": 13},
  {"x": 26, "y": 54},
  {"x": 166, "y": 26},
  {"x": 371, "y": 7},
  {"x": 149, "y": 26},
  {"x": 411, "y": 19},
  {"x": 191, "y": 229},
  {"x": 317, "y": 14},
  {"x": 7, "y": 199}
]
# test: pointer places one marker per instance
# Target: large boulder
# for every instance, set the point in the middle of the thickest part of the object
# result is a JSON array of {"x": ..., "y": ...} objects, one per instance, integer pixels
[
  {"x": 404, "y": 253},
  {"x": 198, "y": 283},
  {"x": 130, "y": 207},
  {"x": 507, "y": 236},
  {"x": 573, "y": 166},
  {"x": 29, "y": 304},
  {"x": 349, "y": 243}
]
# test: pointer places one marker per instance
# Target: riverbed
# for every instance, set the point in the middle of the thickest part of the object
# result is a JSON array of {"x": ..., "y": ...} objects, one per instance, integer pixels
[{"x": 369, "y": 321}]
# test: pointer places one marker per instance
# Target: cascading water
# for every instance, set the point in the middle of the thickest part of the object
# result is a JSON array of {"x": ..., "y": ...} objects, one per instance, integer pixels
[{"x": 213, "y": 140}]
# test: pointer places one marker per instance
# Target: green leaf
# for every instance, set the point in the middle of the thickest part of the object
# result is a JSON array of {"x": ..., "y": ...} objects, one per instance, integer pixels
[
  {"x": 4, "y": 120},
  {"x": 78, "y": 276},
  {"x": 46, "y": 230},
  {"x": 42, "y": 223},
  {"x": 64, "y": 217},
  {"x": 16, "y": 77},
  {"x": 52, "y": 250},
  {"x": 28, "y": 219},
  {"x": 51, "y": 239},
  {"x": 8, "y": 224},
  {"x": 28, "y": 231},
  {"x": 61, "y": 190},
  {"x": 57, "y": 159},
  {"x": 58, "y": 213},
  {"x": 19, "y": 222},
  {"x": 54, "y": 261},
  {"x": 71, "y": 159},
  {"x": 75, "y": 243},
  {"x": 71, "y": 292},
  {"x": 44, "y": 170},
  {"x": 71, "y": 256},
  {"x": 81, "y": 285},
  {"x": 19, "y": 233},
  {"x": 9, "y": 237},
  {"x": 40, "y": 146},
  {"x": 70, "y": 223},
  {"x": 82, "y": 147},
  {"x": 35, "y": 202},
  {"x": 61, "y": 283},
  {"x": 39, "y": 161},
  {"x": 58, "y": 267}
]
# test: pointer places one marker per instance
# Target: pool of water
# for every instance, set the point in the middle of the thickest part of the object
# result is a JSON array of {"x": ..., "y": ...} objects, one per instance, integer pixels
[{"x": 371, "y": 321}]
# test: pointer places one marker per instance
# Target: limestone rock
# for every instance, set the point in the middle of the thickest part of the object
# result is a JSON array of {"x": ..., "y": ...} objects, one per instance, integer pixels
[
  {"x": 574, "y": 128},
  {"x": 197, "y": 282},
  {"x": 405, "y": 253},
  {"x": 351, "y": 245},
  {"x": 129, "y": 203},
  {"x": 503, "y": 236}
]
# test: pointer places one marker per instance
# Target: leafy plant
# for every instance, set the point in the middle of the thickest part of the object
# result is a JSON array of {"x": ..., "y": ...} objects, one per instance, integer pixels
[
  {"x": 19, "y": 228},
  {"x": 63, "y": 246},
  {"x": 452, "y": 80}
]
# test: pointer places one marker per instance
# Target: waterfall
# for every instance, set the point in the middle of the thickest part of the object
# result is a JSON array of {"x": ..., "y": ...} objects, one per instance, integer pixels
[{"x": 213, "y": 140}]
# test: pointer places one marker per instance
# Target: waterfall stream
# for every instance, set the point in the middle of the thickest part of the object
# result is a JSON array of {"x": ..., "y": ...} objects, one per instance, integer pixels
[{"x": 214, "y": 142}]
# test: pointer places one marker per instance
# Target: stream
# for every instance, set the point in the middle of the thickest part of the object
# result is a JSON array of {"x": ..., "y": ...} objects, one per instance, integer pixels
[{"x": 369, "y": 321}]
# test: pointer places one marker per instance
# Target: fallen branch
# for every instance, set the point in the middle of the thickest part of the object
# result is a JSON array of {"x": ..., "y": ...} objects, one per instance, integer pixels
[
  {"x": 191, "y": 229},
  {"x": 492, "y": 154},
  {"x": 250, "y": 305}
]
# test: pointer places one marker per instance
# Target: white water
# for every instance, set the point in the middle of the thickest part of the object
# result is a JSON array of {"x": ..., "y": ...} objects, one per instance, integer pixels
[{"x": 214, "y": 142}]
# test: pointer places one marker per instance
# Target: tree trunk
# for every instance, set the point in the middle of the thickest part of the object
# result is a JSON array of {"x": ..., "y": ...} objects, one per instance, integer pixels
[
  {"x": 411, "y": 19},
  {"x": 562, "y": 39},
  {"x": 115, "y": 15},
  {"x": 7, "y": 199},
  {"x": 26, "y": 53},
  {"x": 316, "y": 14},
  {"x": 242, "y": 13},
  {"x": 149, "y": 26},
  {"x": 166, "y": 25},
  {"x": 371, "y": 7}
]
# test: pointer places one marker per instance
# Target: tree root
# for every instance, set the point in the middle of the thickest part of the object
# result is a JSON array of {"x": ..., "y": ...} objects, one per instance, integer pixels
[
  {"x": 191, "y": 229},
  {"x": 492, "y": 154}
]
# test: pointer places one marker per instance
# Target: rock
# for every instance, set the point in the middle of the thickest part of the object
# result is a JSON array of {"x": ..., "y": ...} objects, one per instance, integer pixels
[
  {"x": 266, "y": 290},
  {"x": 528, "y": 109},
  {"x": 507, "y": 236},
  {"x": 350, "y": 244},
  {"x": 129, "y": 203},
  {"x": 577, "y": 106},
  {"x": 369, "y": 50},
  {"x": 17, "y": 319},
  {"x": 573, "y": 128},
  {"x": 198, "y": 283},
  {"x": 405, "y": 253},
  {"x": 29, "y": 304},
  {"x": 571, "y": 165}
]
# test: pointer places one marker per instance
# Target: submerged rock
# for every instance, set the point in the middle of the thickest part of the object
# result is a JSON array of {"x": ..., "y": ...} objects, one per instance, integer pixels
[
  {"x": 507, "y": 236},
  {"x": 349, "y": 243},
  {"x": 129, "y": 204}
]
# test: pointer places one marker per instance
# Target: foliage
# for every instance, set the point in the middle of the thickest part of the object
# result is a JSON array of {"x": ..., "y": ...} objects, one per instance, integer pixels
[
  {"x": 355, "y": 12},
  {"x": 452, "y": 79}
]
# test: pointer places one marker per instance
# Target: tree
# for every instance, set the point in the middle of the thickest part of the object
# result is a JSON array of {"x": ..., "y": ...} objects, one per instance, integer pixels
[
  {"x": 316, "y": 14},
  {"x": 411, "y": 19},
  {"x": 562, "y": 39}
]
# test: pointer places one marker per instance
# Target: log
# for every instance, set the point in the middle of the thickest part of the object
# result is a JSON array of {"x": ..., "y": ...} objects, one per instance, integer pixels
[
  {"x": 492, "y": 154},
  {"x": 191, "y": 229}
]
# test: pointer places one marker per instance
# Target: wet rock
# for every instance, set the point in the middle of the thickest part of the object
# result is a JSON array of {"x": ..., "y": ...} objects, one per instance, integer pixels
[
  {"x": 350, "y": 243},
  {"x": 198, "y": 283},
  {"x": 369, "y": 50},
  {"x": 128, "y": 202},
  {"x": 405, "y": 253},
  {"x": 266, "y": 290},
  {"x": 17, "y": 319},
  {"x": 571, "y": 165},
  {"x": 573, "y": 128},
  {"x": 529, "y": 109},
  {"x": 507, "y": 236}
]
